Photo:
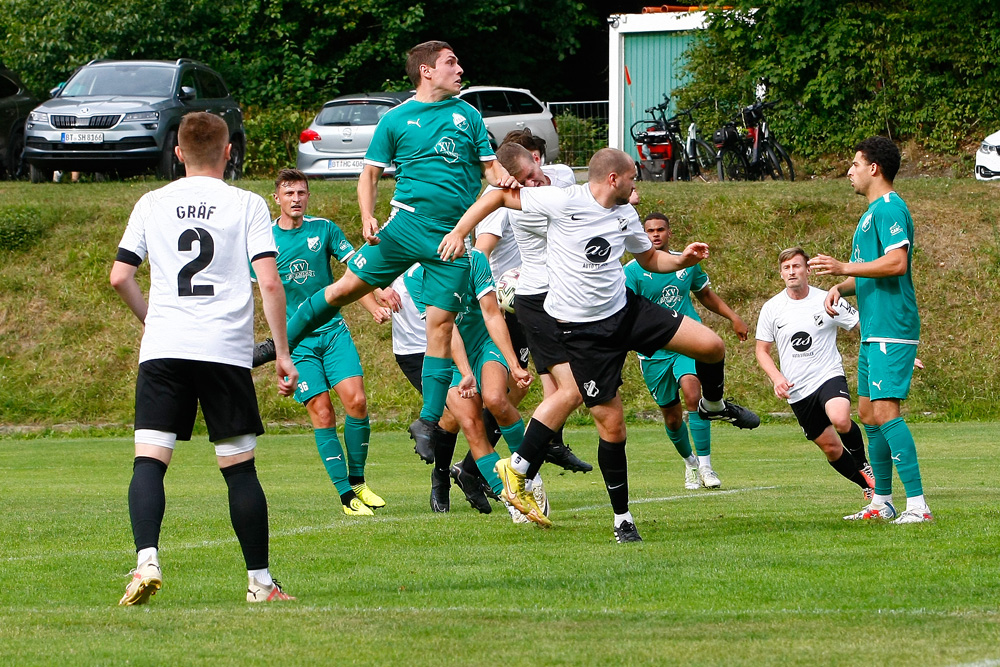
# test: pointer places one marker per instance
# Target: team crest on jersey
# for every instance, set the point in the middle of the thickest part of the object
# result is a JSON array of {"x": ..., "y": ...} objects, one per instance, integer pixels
[
  {"x": 622, "y": 224},
  {"x": 818, "y": 319},
  {"x": 460, "y": 121},
  {"x": 670, "y": 297},
  {"x": 344, "y": 244},
  {"x": 313, "y": 242},
  {"x": 895, "y": 229},
  {"x": 299, "y": 271},
  {"x": 447, "y": 149},
  {"x": 866, "y": 224},
  {"x": 681, "y": 274}
]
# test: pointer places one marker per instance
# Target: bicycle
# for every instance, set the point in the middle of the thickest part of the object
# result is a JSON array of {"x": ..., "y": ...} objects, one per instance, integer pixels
[
  {"x": 658, "y": 143},
  {"x": 699, "y": 158},
  {"x": 752, "y": 155}
]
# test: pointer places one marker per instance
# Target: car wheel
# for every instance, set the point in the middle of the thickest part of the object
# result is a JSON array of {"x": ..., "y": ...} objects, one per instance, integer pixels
[
  {"x": 170, "y": 168},
  {"x": 17, "y": 168},
  {"x": 234, "y": 168},
  {"x": 39, "y": 175}
]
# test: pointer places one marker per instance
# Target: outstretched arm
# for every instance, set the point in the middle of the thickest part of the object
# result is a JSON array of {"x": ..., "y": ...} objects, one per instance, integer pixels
[
  {"x": 453, "y": 244},
  {"x": 659, "y": 261},
  {"x": 714, "y": 303}
]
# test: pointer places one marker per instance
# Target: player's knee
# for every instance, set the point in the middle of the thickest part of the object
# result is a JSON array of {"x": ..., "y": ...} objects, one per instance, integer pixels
[
  {"x": 841, "y": 422},
  {"x": 496, "y": 401},
  {"x": 673, "y": 421},
  {"x": 356, "y": 405},
  {"x": 322, "y": 415}
]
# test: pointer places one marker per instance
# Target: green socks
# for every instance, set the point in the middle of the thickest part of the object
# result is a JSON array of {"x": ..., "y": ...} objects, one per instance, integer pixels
[
  {"x": 681, "y": 441},
  {"x": 435, "y": 378},
  {"x": 486, "y": 465},
  {"x": 904, "y": 454},
  {"x": 313, "y": 313},
  {"x": 332, "y": 456},
  {"x": 701, "y": 433},
  {"x": 513, "y": 434},
  {"x": 356, "y": 435}
]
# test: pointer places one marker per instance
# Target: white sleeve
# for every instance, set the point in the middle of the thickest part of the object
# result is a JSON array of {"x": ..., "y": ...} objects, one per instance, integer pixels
[
  {"x": 494, "y": 223},
  {"x": 260, "y": 239},
  {"x": 847, "y": 315},
  {"x": 548, "y": 201},
  {"x": 637, "y": 241},
  {"x": 134, "y": 238},
  {"x": 765, "y": 325}
]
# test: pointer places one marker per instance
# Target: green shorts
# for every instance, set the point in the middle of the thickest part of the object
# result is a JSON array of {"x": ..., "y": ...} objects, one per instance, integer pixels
[
  {"x": 663, "y": 377},
  {"x": 323, "y": 360},
  {"x": 478, "y": 359},
  {"x": 885, "y": 370},
  {"x": 408, "y": 238}
]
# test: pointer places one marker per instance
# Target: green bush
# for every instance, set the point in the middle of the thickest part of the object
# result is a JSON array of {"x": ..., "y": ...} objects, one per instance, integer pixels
[
  {"x": 579, "y": 138},
  {"x": 20, "y": 227},
  {"x": 273, "y": 138}
]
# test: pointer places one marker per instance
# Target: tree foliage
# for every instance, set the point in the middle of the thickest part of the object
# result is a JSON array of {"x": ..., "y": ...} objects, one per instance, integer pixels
[
  {"x": 299, "y": 53},
  {"x": 908, "y": 69}
]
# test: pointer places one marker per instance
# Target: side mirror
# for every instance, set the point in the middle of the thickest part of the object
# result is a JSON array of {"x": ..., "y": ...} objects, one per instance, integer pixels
[
  {"x": 187, "y": 93},
  {"x": 58, "y": 89}
]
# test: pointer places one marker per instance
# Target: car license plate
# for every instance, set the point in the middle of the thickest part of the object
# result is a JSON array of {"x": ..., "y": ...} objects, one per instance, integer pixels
[
  {"x": 82, "y": 137},
  {"x": 357, "y": 165}
]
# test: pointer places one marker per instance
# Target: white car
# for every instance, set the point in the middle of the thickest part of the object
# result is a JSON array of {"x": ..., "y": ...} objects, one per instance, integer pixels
[
  {"x": 334, "y": 145},
  {"x": 988, "y": 158}
]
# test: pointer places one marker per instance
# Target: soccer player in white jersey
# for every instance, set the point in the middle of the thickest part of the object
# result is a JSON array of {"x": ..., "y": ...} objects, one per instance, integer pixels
[
  {"x": 201, "y": 236},
  {"x": 590, "y": 227},
  {"x": 811, "y": 377},
  {"x": 495, "y": 236}
]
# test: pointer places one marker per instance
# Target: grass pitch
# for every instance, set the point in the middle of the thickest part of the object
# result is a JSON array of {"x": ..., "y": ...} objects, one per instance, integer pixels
[{"x": 764, "y": 571}]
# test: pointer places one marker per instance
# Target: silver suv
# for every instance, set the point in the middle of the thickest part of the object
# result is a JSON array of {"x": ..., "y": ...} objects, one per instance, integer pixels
[{"x": 122, "y": 115}]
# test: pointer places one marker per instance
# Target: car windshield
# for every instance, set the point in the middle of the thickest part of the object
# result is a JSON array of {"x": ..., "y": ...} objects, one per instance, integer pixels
[
  {"x": 141, "y": 80},
  {"x": 352, "y": 113}
]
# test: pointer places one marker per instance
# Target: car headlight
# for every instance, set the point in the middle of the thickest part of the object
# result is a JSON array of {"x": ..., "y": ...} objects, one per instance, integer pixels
[
  {"x": 142, "y": 116},
  {"x": 38, "y": 117}
]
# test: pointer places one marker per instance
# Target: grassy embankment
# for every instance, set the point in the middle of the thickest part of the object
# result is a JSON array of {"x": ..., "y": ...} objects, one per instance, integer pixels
[{"x": 68, "y": 346}]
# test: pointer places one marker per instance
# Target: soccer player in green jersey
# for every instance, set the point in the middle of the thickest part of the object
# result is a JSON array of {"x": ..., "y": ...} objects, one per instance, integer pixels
[
  {"x": 880, "y": 274},
  {"x": 441, "y": 150},
  {"x": 326, "y": 358},
  {"x": 665, "y": 372}
]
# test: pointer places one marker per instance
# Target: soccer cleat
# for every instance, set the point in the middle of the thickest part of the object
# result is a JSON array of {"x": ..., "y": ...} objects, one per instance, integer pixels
[
  {"x": 422, "y": 435},
  {"x": 472, "y": 487},
  {"x": 440, "y": 491},
  {"x": 873, "y": 512},
  {"x": 357, "y": 508},
  {"x": 367, "y": 496},
  {"x": 264, "y": 352},
  {"x": 627, "y": 532},
  {"x": 258, "y": 592},
  {"x": 146, "y": 580},
  {"x": 692, "y": 480},
  {"x": 866, "y": 472},
  {"x": 708, "y": 477},
  {"x": 561, "y": 455},
  {"x": 515, "y": 514},
  {"x": 736, "y": 415},
  {"x": 921, "y": 515},
  {"x": 541, "y": 498},
  {"x": 516, "y": 495},
  {"x": 868, "y": 493}
]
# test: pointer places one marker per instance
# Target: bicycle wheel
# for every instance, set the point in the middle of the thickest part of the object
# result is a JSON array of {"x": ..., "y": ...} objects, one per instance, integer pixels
[
  {"x": 771, "y": 166},
  {"x": 681, "y": 171},
  {"x": 786, "y": 161},
  {"x": 732, "y": 164},
  {"x": 703, "y": 165}
]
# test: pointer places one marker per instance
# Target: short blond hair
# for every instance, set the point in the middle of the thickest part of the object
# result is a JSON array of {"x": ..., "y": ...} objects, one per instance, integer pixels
[{"x": 788, "y": 253}]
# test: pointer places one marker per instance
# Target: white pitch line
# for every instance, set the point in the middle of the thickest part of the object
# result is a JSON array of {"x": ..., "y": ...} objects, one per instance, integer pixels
[
  {"x": 981, "y": 663},
  {"x": 694, "y": 495}
]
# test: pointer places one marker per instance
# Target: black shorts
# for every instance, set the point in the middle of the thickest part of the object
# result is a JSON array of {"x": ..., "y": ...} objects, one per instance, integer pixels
[
  {"x": 412, "y": 366},
  {"x": 811, "y": 410},
  {"x": 167, "y": 393},
  {"x": 541, "y": 330},
  {"x": 517, "y": 338},
  {"x": 597, "y": 350}
]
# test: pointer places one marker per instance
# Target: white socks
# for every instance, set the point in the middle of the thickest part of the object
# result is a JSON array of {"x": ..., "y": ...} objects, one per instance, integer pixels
[
  {"x": 263, "y": 577},
  {"x": 145, "y": 554},
  {"x": 622, "y": 518}
]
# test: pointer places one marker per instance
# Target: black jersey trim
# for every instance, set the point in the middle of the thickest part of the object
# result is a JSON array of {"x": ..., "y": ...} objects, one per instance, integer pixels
[
  {"x": 128, "y": 257},
  {"x": 262, "y": 255}
]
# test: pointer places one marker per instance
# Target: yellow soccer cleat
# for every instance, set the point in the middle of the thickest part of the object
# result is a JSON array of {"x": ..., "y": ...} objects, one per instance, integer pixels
[
  {"x": 146, "y": 580},
  {"x": 367, "y": 496},
  {"x": 357, "y": 508},
  {"x": 514, "y": 493}
]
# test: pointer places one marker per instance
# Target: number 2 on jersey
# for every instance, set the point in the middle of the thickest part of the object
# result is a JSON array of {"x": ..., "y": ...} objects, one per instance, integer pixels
[{"x": 206, "y": 251}]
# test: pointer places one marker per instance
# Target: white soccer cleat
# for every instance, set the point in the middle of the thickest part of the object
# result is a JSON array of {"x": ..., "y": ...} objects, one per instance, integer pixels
[
  {"x": 922, "y": 515},
  {"x": 692, "y": 480},
  {"x": 708, "y": 478},
  {"x": 258, "y": 592},
  {"x": 146, "y": 580},
  {"x": 541, "y": 498},
  {"x": 873, "y": 512},
  {"x": 515, "y": 514}
]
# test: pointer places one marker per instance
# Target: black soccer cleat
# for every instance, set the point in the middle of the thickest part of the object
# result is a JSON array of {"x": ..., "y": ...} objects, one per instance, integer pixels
[
  {"x": 472, "y": 487},
  {"x": 440, "y": 488},
  {"x": 736, "y": 415},
  {"x": 264, "y": 352},
  {"x": 627, "y": 532},
  {"x": 561, "y": 455},
  {"x": 422, "y": 434}
]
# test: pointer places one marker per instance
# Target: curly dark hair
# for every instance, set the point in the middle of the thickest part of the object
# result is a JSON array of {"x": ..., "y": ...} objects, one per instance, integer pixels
[{"x": 881, "y": 151}]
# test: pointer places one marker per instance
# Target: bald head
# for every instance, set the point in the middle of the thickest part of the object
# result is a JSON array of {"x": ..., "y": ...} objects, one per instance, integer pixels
[{"x": 609, "y": 161}]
